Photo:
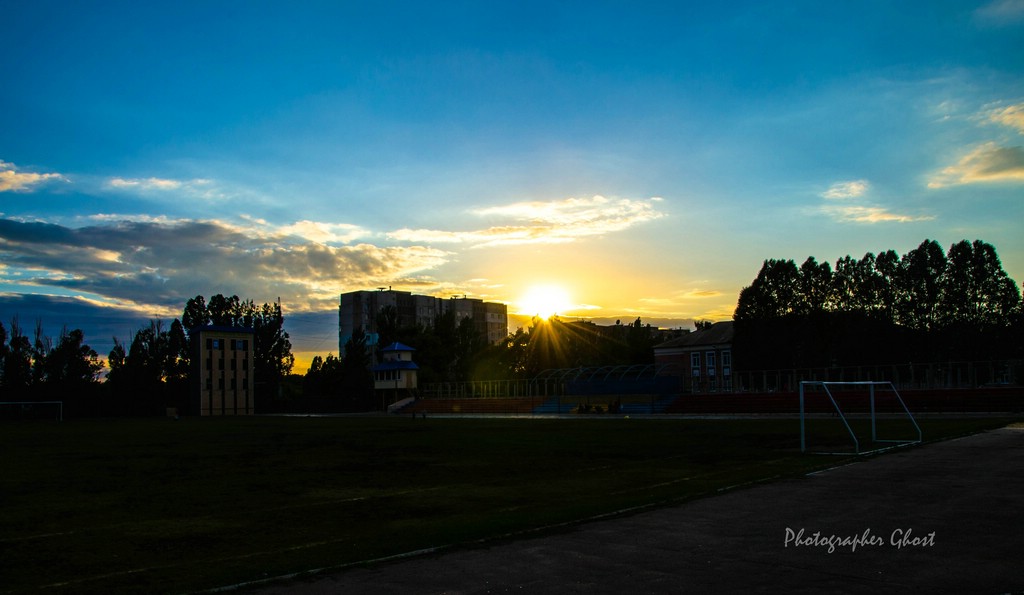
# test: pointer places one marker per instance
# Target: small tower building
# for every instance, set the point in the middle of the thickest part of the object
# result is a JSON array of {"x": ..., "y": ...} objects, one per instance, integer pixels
[{"x": 397, "y": 371}]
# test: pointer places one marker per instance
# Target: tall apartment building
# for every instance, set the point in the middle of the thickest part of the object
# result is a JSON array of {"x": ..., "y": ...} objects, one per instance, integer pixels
[
  {"x": 359, "y": 309},
  {"x": 225, "y": 383}
]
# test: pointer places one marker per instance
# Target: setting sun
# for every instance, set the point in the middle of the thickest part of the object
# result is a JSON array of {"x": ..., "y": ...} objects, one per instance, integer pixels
[{"x": 544, "y": 301}]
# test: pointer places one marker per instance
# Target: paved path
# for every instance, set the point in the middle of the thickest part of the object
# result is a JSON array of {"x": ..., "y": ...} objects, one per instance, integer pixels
[{"x": 960, "y": 503}]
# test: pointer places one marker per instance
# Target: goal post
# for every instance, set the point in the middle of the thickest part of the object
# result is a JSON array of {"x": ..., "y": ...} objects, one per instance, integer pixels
[
  {"x": 31, "y": 410},
  {"x": 832, "y": 389}
]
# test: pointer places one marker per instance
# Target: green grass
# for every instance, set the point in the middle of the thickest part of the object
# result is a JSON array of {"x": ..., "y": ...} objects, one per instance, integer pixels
[{"x": 174, "y": 506}]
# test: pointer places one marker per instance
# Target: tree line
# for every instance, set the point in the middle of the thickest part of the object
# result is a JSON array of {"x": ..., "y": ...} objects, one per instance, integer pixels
[
  {"x": 927, "y": 305},
  {"x": 148, "y": 373},
  {"x": 39, "y": 368},
  {"x": 451, "y": 349}
]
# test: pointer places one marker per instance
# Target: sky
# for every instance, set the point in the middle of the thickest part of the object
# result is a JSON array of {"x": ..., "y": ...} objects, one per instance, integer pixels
[{"x": 617, "y": 160}]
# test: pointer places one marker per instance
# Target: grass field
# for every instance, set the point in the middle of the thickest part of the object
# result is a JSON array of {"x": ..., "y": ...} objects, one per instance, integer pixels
[{"x": 157, "y": 505}]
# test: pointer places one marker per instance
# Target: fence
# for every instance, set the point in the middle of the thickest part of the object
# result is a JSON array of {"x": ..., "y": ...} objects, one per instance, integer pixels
[
  {"x": 945, "y": 375},
  {"x": 650, "y": 380}
]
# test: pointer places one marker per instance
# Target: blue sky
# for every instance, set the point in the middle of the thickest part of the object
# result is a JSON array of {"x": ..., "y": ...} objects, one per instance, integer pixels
[{"x": 643, "y": 158}]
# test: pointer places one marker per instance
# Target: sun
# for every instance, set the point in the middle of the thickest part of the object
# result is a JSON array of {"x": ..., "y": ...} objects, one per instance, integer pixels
[{"x": 544, "y": 301}]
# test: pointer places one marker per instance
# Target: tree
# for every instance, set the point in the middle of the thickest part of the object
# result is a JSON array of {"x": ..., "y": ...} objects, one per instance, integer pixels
[
  {"x": 976, "y": 291},
  {"x": 467, "y": 344},
  {"x": 272, "y": 353},
  {"x": 356, "y": 378},
  {"x": 195, "y": 314},
  {"x": 153, "y": 372},
  {"x": 225, "y": 311},
  {"x": 72, "y": 364},
  {"x": 927, "y": 304},
  {"x": 4, "y": 349},
  {"x": 815, "y": 287},
  {"x": 773, "y": 292},
  {"x": 324, "y": 377},
  {"x": 702, "y": 325},
  {"x": 920, "y": 283},
  {"x": 387, "y": 326},
  {"x": 17, "y": 374},
  {"x": 887, "y": 268},
  {"x": 639, "y": 343}
]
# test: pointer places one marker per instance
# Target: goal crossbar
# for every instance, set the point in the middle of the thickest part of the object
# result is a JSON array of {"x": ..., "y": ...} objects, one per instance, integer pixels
[{"x": 870, "y": 385}]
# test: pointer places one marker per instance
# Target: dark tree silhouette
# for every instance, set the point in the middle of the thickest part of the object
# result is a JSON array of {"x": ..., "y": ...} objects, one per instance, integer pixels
[{"x": 926, "y": 305}]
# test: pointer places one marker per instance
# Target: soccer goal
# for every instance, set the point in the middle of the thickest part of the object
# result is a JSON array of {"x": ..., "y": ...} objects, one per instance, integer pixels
[
  {"x": 860, "y": 407},
  {"x": 32, "y": 410}
]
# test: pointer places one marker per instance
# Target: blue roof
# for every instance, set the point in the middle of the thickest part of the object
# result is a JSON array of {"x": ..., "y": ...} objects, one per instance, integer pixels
[
  {"x": 396, "y": 346},
  {"x": 395, "y": 365},
  {"x": 223, "y": 329}
]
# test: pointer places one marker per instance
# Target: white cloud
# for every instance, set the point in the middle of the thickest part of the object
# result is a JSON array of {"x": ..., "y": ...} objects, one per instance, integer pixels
[
  {"x": 846, "y": 205},
  {"x": 11, "y": 180},
  {"x": 845, "y": 190},
  {"x": 544, "y": 222},
  {"x": 870, "y": 214},
  {"x": 145, "y": 184},
  {"x": 1011, "y": 116},
  {"x": 324, "y": 233},
  {"x": 985, "y": 163},
  {"x": 1001, "y": 12}
]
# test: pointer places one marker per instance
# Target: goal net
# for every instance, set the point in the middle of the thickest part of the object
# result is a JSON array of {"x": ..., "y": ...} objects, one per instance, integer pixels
[
  {"x": 854, "y": 417},
  {"x": 23, "y": 410}
]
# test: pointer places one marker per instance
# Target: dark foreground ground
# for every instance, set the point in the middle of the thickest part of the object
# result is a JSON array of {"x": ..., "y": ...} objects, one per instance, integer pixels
[{"x": 941, "y": 518}]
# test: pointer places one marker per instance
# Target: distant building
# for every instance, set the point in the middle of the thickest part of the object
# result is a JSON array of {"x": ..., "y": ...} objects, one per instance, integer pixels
[
  {"x": 703, "y": 358},
  {"x": 223, "y": 357},
  {"x": 359, "y": 309}
]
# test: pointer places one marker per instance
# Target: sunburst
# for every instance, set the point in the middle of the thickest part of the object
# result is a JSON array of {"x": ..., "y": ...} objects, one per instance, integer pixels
[{"x": 544, "y": 301}]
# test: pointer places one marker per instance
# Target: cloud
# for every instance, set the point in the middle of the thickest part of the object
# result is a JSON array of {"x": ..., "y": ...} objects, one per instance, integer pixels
[
  {"x": 145, "y": 184},
  {"x": 871, "y": 214},
  {"x": 324, "y": 233},
  {"x": 846, "y": 204},
  {"x": 844, "y": 190},
  {"x": 99, "y": 321},
  {"x": 986, "y": 163},
  {"x": 1012, "y": 116},
  {"x": 163, "y": 263},
  {"x": 702, "y": 293},
  {"x": 197, "y": 187},
  {"x": 544, "y": 222},
  {"x": 1001, "y": 12},
  {"x": 11, "y": 180}
]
